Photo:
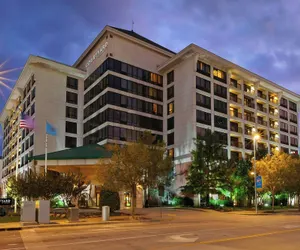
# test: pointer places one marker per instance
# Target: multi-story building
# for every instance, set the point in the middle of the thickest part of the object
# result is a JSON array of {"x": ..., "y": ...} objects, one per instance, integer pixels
[
  {"x": 124, "y": 83},
  {"x": 48, "y": 92}
]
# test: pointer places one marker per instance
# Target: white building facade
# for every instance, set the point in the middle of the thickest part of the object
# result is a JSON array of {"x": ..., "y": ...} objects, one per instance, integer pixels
[{"x": 123, "y": 84}]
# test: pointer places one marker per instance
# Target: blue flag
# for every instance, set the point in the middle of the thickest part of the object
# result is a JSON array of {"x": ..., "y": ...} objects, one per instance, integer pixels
[{"x": 50, "y": 130}]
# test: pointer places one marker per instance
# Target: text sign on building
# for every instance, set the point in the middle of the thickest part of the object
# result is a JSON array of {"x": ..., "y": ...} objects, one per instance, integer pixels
[
  {"x": 97, "y": 54},
  {"x": 258, "y": 182},
  {"x": 6, "y": 202}
]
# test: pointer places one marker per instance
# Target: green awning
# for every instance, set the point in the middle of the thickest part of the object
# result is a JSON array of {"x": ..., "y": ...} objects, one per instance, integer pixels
[{"x": 93, "y": 151}]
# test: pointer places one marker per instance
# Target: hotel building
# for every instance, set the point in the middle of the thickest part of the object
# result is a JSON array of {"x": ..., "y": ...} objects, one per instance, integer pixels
[{"x": 124, "y": 84}]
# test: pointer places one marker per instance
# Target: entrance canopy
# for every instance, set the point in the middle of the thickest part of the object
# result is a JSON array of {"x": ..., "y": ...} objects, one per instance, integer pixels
[{"x": 83, "y": 159}]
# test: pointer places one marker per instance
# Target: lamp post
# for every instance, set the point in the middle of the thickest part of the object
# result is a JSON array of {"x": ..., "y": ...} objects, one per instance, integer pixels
[{"x": 255, "y": 138}]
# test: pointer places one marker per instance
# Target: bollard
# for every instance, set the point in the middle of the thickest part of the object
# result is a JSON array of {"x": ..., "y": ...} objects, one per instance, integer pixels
[{"x": 105, "y": 213}]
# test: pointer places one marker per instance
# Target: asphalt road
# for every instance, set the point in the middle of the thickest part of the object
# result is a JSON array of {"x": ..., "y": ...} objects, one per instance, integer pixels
[{"x": 189, "y": 230}]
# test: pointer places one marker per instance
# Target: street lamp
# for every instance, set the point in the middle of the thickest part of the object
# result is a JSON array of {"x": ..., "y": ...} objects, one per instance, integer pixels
[{"x": 256, "y": 137}]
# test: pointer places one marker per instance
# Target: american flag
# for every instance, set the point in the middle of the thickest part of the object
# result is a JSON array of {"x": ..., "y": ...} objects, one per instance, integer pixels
[{"x": 26, "y": 121}]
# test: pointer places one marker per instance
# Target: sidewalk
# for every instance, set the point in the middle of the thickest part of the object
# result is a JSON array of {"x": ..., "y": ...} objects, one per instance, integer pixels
[{"x": 9, "y": 226}]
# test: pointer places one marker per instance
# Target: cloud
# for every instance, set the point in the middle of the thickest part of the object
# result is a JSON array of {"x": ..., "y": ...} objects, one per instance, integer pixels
[{"x": 259, "y": 35}]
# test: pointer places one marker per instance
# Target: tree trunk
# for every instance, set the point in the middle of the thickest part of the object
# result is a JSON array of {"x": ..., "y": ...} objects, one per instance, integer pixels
[
  {"x": 133, "y": 202},
  {"x": 299, "y": 202},
  {"x": 207, "y": 199},
  {"x": 273, "y": 200}
]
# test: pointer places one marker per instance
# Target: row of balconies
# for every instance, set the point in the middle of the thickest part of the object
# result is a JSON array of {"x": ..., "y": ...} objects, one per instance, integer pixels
[
  {"x": 249, "y": 144},
  {"x": 251, "y": 91}
]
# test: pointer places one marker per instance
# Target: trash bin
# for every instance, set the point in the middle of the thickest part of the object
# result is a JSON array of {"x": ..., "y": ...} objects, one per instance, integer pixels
[
  {"x": 105, "y": 213},
  {"x": 73, "y": 214}
]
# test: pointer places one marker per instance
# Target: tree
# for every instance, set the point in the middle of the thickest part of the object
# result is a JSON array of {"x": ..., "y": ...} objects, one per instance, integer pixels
[
  {"x": 243, "y": 182},
  {"x": 140, "y": 163},
  {"x": 210, "y": 169},
  {"x": 274, "y": 169},
  {"x": 34, "y": 186},
  {"x": 293, "y": 177}
]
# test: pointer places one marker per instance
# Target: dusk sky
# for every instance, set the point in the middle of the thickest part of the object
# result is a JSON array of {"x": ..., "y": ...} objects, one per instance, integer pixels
[{"x": 260, "y": 35}]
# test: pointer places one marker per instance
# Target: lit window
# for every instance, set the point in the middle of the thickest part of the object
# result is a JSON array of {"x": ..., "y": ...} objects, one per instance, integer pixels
[
  {"x": 170, "y": 108},
  {"x": 154, "y": 108},
  {"x": 153, "y": 77},
  {"x": 171, "y": 152}
]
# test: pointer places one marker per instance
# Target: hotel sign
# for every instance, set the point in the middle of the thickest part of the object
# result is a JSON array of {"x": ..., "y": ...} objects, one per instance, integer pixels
[{"x": 97, "y": 54}]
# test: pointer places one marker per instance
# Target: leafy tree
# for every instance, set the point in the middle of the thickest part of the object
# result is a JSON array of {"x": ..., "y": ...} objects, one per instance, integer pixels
[
  {"x": 293, "y": 177},
  {"x": 274, "y": 169},
  {"x": 140, "y": 163},
  {"x": 210, "y": 169},
  {"x": 33, "y": 186},
  {"x": 243, "y": 182}
]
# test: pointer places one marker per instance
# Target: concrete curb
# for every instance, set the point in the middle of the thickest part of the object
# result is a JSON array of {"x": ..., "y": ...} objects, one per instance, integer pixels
[{"x": 63, "y": 225}]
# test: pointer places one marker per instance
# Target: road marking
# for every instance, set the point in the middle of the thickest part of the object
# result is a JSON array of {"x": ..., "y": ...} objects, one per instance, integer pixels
[
  {"x": 108, "y": 240},
  {"x": 180, "y": 238},
  {"x": 235, "y": 238}
]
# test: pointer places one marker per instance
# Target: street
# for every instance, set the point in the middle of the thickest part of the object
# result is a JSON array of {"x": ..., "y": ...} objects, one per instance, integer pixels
[{"x": 182, "y": 229}]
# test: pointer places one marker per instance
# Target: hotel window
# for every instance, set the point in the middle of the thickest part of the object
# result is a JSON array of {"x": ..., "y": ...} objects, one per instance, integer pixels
[
  {"x": 220, "y": 122},
  {"x": 220, "y": 106},
  {"x": 71, "y": 97},
  {"x": 293, "y": 130},
  {"x": 219, "y": 75},
  {"x": 71, "y": 127},
  {"x": 70, "y": 142},
  {"x": 171, "y": 153},
  {"x": 284, "y": 139},
  {"x": 201, "y": 132},
  {"x": 170, "y": 92},
  {"x": 283, "y": 114},
  {"x": 203, "y": 117},
  {"x": 170, "y": 77},
  {"x": 72, "y": 83},
  {"x": 293, "y": 118},
  {"x": 202, "y": 84},
  {"x": 220, "y": 91},
  {"x": 26, "y": 144},
  {"x": 293, "y": 106},
  {"x": 203, "y": 101},
  {"x": 203, "y": 68},
  {"x": 71, "y": 112},
  {"x": 284, "y": 127},
  {"x": 170, "y": 139},
  {"x": 33, "y": 93},
  {"x": 171, "y": 123},
  {"x": 222, "y": 137},
  {"x": 32, "y": 109},
  {"x": 170, "y": 108},
  {"x": 294, "y": 142},
  {"x": 31, "y": 139},
  {"x": 283, "y": 102}
]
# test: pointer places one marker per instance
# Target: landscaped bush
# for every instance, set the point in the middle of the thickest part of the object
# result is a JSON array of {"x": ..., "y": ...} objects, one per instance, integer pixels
[{"x": 111, "y": 199}]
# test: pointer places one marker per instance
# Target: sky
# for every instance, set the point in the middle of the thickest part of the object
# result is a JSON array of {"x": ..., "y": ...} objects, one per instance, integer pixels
[{"x": 260, "y": 35}]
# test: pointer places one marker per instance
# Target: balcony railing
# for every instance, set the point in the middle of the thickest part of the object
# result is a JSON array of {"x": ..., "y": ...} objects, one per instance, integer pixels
[
  {"x": 284, "y": 117},
  {"x": 272, "y": 112},
  {"x": 274, "y": 126},
  {"x": 294, "y": 132},
  {"x": 235, "y": 99},
  {"x": 235, "y": 85},
  {"x": 264, "y": 123},
  {"x": 273, "y": 100},
  {"x": 249, "y": 91},
  {"x": 263, "y": 96},
  {"x": 262, "y": 109},
  {"x": 249, "y": 146},
  {"x": 236, "y": 114},
  {"x": 248, "y": 131},
  {"x": 284, "y": 130},
  {"x": 274, "y": 138},
  {"x": 236, "y": 129},
  {"x": 236, "y": 144},
  {"x": 250, "y": 118},
  {"x": 250, "y": 105},
  {"x": 294, "y": 144}
]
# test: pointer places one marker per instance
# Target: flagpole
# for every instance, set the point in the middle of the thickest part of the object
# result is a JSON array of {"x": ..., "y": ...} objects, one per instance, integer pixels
[
  {"x": 46, "y": 152},
  {"x": 17, "y": 159}
]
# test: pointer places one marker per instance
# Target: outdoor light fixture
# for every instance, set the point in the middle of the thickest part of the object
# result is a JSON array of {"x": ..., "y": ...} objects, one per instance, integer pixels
[{"x": 256, "y": 137}]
